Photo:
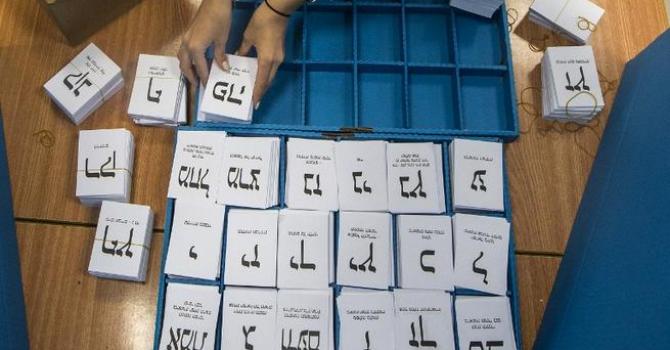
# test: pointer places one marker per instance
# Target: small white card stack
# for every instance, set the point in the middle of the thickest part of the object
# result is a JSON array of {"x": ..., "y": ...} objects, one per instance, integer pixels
[
  {"x": 105, "y": 166},
  {"x": 481, "y": 246},
  {"x": 122, "y": 242},
  {"x": 570, "y": 84},
  {"x": 85, "y": 83},
  {"x": 159, "y": 92},
  {"x": 425, "y": 253},
  {"x": 228, "y": 95},
  {"x": 484, "y": 323},
  {"x": 251, "y": 248},
  {"x": 365, "y": 250},
  {"x": 305, "y": 258},
  {"x": 366, "y": 319},
  {"x": 477, "y": 174},
  {"x": 415, "y": 178},
  {"x": 196, "y": 165},
  {"x": 249, "y": 318},
  {"x": 484, "y": 8},
  {"x": 576, "y": 18},
  {"x": 361, "y": 175},
  {"x": 304, "y": 320},
  {"x": 195, "y": 240},
  {"x": 191, "y": 312},
  {"x": 311, "y": 177},
  {"x": 250, "y": 172},
  {"x": 423, "y": 320}
]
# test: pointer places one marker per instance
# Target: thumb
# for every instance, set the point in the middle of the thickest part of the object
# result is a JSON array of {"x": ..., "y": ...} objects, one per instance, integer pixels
[{"x": 220, "y": 51}]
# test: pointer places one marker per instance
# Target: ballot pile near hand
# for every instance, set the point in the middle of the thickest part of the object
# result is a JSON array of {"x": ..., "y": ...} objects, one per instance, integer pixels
[
  {"x": 85, "y": 83},
  {"x": 484, "y": 8},
  {"x": 227, "y": 96},
  {"x": 575, "y": 18}
]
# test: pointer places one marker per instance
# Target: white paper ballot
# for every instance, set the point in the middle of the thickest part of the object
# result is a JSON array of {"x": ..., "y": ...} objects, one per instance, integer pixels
[
  {"x": 196, "y": 165},
  {"x": 477, "y": 174},
  {"x": 249, "y": 318},
  {"x": 425, "y": 254},
  {"x": 195, "y": 240},
  {"x": 484, "y": 323},
  {"x": 576, "y": 18},
  {"x": 481, "y": 246},
  {"x": 251, "y": 248},
  {"x": 191, "y": 313},
  {"x": 228, "y": 95},
  {"x": 122, "y": 242},
  {"x": 367, "y": 320},
  {"x": 415, "y": 178},
  {"x": 304, "y": 320},
  {"x": 304, "y": 249},
  {"x": 361, "y": 175},
  {"x": 364, "y": 257},
  {"x": 105, "y": 165},
  {"x": 423, "y": 320},
  {"x": 311, "y": 178},
  {"x": 250, "y": 172}
]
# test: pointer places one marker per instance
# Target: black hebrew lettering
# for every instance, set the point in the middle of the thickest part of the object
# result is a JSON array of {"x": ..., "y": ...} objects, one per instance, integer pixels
[
  {"x": 112, "y": 160},
  {"x": 366, "y": 189},
  {"x": 79, "y": 83},
  {"x": 192, "y": 254},
  {"x": 188, "y": 180},
  {"x": 317, "y": 191},
  {"x": 89, "y": 173},
  {"x": 581, "y": 84},
  {"x": 105, "y": 249},
  {"x": 246, "y": 331},
  {"x": 303, "y": 265},
  {"x": 425, "y": 267},
  {"x": 362, "y": 266},
  {"x": 367, "y": 341},
  {"x": 480, "y": 270},
  {"x": 255, "y": 263},
  {"x": 423, "y": 342},
  {"x": 237, "y": 182},
  {"x": 127, "y": 246},
  {"x": 290, "y": 335},
  {"x": 220, "y": 91},
  {"x": 477, "y": 175},
  {"x": 150, "y": 98},
  {"x": 185, "y": 339},
  {"x": 489, "y": 345},
  {"x": 413, "y": 193}
]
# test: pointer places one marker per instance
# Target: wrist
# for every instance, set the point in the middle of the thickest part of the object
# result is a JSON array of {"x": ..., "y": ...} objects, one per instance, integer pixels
[{"x": 281, "y": 8}]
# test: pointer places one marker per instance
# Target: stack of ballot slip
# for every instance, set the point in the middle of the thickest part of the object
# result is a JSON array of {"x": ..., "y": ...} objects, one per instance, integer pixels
[
  {"x": 228, "y": 94},
  {"x": 85, "y": 83},
  {"x": 249, "y": 318},
  {"x": 415, "y": 178},
  {"x": 361, "y": 175},
  {"x": 251, "y": 248},
  {"x": 365, "y": 250},
  {"x": 305, "y": 320},
  {"x": 481, "y": 249},
  {"x": 305, "y": 249},
  {"x": 571, "y": 89},
  {"x": 367, "y": 318},
  {"x": 575, "y": 18},
  {"x": 425, "y": 253},
  {"x": 122, "y": 242},
  {"x": 196, "y": 165},
  {"x": 484, "y": 323},
  {"x": 104, "y": 166},
  {"x": 423, "y": 320},
  {"x": 195, "y": 240},
  {"x": 250, "y": 172},
  {"x": 190, "y": 316},
  {"x": 311, "y": 176},
  {"x": 477, "y": 175},
  {"x": 484, "y": 8},
  {"x": 159, "y": 92}
]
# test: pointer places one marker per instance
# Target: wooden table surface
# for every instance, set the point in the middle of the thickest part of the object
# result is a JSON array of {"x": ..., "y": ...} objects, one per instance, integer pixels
[{"x": 67, "y": 308}]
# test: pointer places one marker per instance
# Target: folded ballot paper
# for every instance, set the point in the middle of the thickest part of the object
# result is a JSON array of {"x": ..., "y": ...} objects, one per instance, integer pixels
[
  {"x": 249, "y": 319},
  {"x": 571, "y": 89},
  {"x": 191, "y": 313},
  {"x": 228, "y": 94},
  {"x": 122, "y": 242},
  {"x": 104, "y": 166},
  {"x": 311, "y": 178},
  {"x": 159, "y": 92},
  {"x": 423, "y": 320},
  {"x": 366, "y": 318},
  {"x": 485, "y": 8},
  {"x": 85, "y": 83},
  {"x": 361, "y": 175},
  {"x": 576, "y": 18},
  {"x": 484, "y": 323},
  {"x": 305, "y": 320},
  {"x": 477, "y": 174}
]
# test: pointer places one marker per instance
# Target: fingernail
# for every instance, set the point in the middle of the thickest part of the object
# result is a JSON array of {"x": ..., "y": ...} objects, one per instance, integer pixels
[
  {"x": 226, "y": 66},
  {"x": 257, "y": 105}
]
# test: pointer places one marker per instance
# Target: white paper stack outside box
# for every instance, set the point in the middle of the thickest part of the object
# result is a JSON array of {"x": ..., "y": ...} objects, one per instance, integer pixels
[
  {"x": 367, "y": 319},
  {"x": 104, "y": 166},
  {"x": 85, "y": 83},
  {"x": 571, "y": 89},
  {"x": 477, "y": 175},
  {"x": 425, "y": 318},
  {"x": 311, "y": 176},
  {"x": 228, "y": 95},
  {"x": 249, "y": 318},
  {"x": 122, "y": 242},
  {"x": 195, "y": 240},
  {"x": 159, "y": 92},
  {"x": 191, "y": 313},
  {"x": 576, "y": 18},
  {"x": 484, "y": 323},
  {"x": 484, "y": 8},
  {"x": 305, "y": 319}
]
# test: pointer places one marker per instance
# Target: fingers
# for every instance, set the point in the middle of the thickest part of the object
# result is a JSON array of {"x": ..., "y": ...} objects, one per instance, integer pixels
[
  {"x": 200, "y": 63},
  {"x": 262, "y": 79},
  {"x": 244, "y": 47},
  {"x": 186, "y": 66},
  {"x": 220, "y": 50}
]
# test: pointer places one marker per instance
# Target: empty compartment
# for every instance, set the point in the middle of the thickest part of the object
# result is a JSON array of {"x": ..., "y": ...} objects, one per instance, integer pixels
[
  {"x": 429, "y": 36},
  {"x": 486, "y": 100},
  {"x": 433, "y": 101},
  {"x": 329, "y": 33},
  {"x": 330, "y": 95},
  {"x": 379, "y": 34},
  {"x": 381, "y": 103},
  {"x": 282, "y": 103},
  {"x": 294, "y": 33},
  {"x": 480, "y": 40}
]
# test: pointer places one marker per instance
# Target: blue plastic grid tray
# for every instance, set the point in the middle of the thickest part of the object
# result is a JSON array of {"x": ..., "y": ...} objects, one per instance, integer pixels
[{"x": 395, "y": 66}]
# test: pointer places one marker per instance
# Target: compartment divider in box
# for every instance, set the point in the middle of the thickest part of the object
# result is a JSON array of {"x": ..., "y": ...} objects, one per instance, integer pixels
[
  {"x": 356, "y": 57},
  {"x": 405, "y": 71}
]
